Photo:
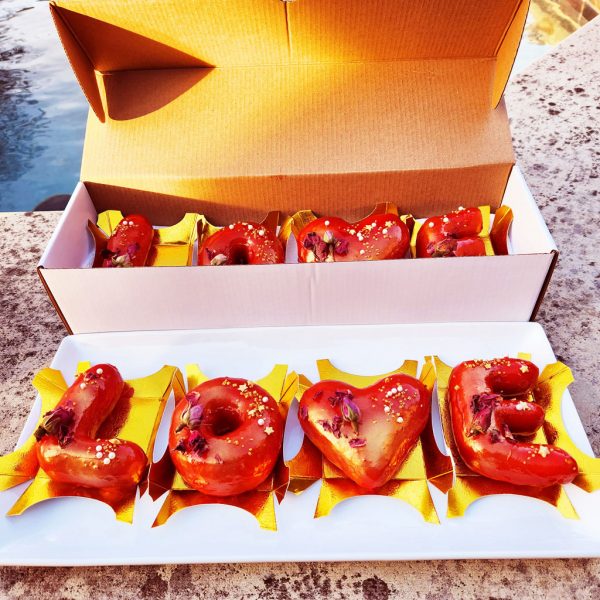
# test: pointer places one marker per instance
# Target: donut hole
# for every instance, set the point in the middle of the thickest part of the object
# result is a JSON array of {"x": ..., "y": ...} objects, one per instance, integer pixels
[
  {"x": 222, "y": 418},
  {"x": 238, "y": 254}
]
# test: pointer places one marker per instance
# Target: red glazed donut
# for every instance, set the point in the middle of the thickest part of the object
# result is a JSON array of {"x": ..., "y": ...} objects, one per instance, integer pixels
[
  {"x": 241, "y": 244},
  {"x": 226, "y": 436},
  {"x": 454, "y": 234}
]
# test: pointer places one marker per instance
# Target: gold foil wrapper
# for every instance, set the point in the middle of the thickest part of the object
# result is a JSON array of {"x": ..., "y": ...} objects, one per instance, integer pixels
[
  {"x": 552, "y": 383},
  {"x": 424, "y": 463},
  {"x": 410, "y": 222},
  {"x": 485, "y": 234},
  {"x": 285, "y": 230},
  {"x": 259, "y": 502},
  {"x": 135, "y": 418},
  {"x": 500, "y": 227},
  {"x": 172, "y": 246},
  {"x": 469, "y": 486}
]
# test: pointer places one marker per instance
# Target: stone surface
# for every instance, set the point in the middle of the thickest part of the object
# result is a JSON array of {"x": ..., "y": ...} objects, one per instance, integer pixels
[
  {"x": 30, "y": 329},
  {"x": 555, "y": 118},
  {"x": 555, "y": 109}
]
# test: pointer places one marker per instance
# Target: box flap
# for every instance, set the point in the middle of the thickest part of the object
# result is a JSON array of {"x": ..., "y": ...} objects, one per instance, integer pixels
[
  {"x": 337, "y": 138},
  {"x": 344, "y": 31},
  {"x": 94, "y": 46},
  {"x": 340, "y": 104},
  {"x": 214, "y": 32},
  {"x": 118, "y": 36}
]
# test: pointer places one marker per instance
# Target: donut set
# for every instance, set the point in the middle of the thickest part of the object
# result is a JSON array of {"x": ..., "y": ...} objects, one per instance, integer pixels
[
  {"x": 225, "y": 436},
  {"x": 380, "y": 236}
]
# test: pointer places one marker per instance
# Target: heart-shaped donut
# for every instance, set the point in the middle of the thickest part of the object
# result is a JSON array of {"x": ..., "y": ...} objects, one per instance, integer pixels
[
  {"x": 330, "y": 239},
  {"x": 454, "y": 234},
  {"x": 226, "y": 436},
  {"x": 241, "y": 244},
  {"x": 367, "y": 433}
]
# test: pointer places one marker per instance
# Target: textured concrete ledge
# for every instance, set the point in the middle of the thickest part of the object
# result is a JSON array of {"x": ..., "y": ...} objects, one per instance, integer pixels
[
  {"x": 555, "y": 118},
  {"x": 555, "y": 110}
]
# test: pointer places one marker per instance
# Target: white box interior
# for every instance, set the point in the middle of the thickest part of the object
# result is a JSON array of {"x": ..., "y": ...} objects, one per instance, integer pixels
[{"x": 497, "y": 288}]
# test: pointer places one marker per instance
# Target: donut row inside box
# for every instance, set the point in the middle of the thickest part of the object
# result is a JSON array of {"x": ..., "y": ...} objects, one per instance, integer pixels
[{"x": 233, "y": 109}]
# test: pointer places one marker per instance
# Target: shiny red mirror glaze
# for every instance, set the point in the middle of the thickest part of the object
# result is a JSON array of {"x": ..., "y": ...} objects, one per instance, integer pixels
[
  {"x": 226, "y": 436},
  {"x": 330, "y": 239},
  {"x": 367, "y": 433},
  {"x": 453, "y": 234},
  {"x": 130, "y": 243},
  {"x": 489, "y": 406},
  {"x": 68, "y": 450},
  {"x": 241, "y": 244}
]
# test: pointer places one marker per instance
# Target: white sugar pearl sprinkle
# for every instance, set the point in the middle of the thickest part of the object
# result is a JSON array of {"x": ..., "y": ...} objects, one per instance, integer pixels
[
  {"x": 362, "y": 252},
  {"x": 384, "y": 231},
  {"x": 386, "y": 409},
  {"x": 82, "y": 386},
  {"x": 261, "y": 232},
  {"x": 99, "y": 371},
  {"x": 98, "y": 448},
  {"x": 430, "y": 224},
  {"x": 98, "y": 454},
  {"x": 261, "y": 422},
  {"x": 399, "y": 420},
  {"x": 106, "y": 461},
  {"x": 265, "y": 399},
  {"x": 111, "y": 455}
]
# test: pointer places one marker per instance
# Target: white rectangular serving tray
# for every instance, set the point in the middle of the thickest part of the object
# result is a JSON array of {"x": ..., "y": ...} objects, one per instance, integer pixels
[{"x": 77, "y": 531}]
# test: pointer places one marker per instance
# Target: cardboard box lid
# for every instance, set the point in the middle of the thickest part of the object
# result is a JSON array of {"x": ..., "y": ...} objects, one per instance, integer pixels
[{"x": 232, "y": 98}]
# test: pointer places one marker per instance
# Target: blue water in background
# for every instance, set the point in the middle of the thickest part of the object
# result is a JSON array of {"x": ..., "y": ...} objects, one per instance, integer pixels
[{"x": 43, "y": 111}]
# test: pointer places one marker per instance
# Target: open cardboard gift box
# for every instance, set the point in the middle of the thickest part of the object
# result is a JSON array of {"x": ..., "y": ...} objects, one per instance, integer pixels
[{"x": 233, "y": 108}]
